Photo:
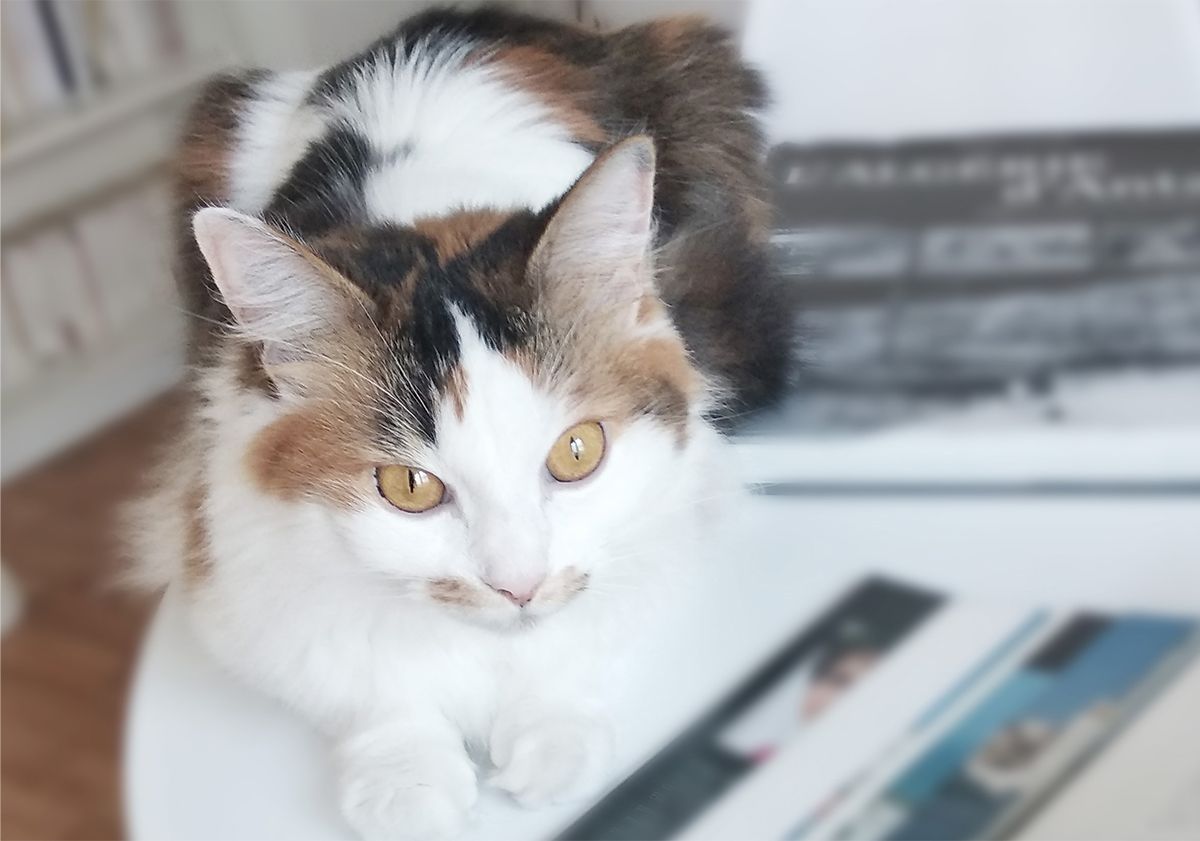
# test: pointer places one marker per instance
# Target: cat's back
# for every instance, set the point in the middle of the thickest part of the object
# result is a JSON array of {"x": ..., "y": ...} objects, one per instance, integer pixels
[
  {"x": 495, "y": 110},
  {"x": 472, "y": 109}
]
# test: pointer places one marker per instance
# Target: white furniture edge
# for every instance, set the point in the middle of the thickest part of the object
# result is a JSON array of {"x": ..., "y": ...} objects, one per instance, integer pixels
[
  {"x": 86, "y": 392},
  {"x": 1019, "y": 457}
]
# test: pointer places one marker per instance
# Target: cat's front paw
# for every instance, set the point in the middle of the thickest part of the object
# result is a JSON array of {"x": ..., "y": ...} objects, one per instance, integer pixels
[
  {"x": 410, "y": 796},
  {"x": 553, "y": 760}
]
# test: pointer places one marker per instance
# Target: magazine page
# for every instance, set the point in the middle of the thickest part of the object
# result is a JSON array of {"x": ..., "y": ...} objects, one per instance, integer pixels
[
  {"x": 900, "y": 714},
  {"x": 1144, "y": 785},
  {"x": 991, "y": 767},
  {"x": 813, "y": 768}
]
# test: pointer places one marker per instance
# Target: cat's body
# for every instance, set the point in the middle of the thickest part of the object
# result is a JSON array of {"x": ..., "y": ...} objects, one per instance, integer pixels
[{"x": 424, "y": 300}]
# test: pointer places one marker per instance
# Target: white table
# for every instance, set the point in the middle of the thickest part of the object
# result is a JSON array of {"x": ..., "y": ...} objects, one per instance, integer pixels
[{"x": 208, "y": 759}]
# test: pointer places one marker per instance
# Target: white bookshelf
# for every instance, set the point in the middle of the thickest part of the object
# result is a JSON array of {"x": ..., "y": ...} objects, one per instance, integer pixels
[
  {"x": 57, "y": 163},
  {"x": 95, "y": 160},
  {"x": 52, "y": 170}
]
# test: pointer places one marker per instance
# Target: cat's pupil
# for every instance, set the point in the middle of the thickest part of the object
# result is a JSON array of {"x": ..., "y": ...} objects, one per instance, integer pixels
[
  {"x": 577, "y": 447},
  {"x": 412, "y": 481}
]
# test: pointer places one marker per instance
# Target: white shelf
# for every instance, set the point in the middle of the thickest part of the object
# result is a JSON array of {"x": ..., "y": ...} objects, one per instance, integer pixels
[
  {"x": 80, "y": 394},
  {"x": 57, "y": 163}
]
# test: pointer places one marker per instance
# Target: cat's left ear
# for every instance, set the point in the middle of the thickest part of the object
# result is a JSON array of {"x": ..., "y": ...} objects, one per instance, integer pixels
[
  {"x": 280, "y": 294},
  {"x": 596, "y": 249}
]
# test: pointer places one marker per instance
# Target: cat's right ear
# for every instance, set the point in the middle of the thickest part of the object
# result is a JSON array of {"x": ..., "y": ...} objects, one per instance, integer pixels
[
  {"x": 595, "y": 252},
  {"x": 280, "y": 293}
]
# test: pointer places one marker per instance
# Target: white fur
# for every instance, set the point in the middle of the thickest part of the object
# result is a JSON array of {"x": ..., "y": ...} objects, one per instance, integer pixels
[
  {"x": 272, "y": 135},
  {"x": 473, "y": 141},
  {"x": 460, "y": 136},
  {"x": 328, "y": 609}
]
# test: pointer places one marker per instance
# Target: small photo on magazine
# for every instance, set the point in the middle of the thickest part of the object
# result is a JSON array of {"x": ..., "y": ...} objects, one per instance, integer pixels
[
  {"x": 989, "y": 769},
  {"x": 850, "y": 649}
]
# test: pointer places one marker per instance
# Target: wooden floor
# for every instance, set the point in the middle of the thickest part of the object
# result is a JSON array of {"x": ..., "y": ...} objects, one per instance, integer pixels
[{"x": 65, "y": 668}]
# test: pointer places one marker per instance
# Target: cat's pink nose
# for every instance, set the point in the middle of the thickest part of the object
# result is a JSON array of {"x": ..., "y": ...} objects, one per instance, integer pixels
[{"x": 518, "y": 595}]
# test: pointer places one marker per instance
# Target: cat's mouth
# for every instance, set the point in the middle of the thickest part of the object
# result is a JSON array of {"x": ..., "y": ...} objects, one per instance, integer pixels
[{"x": 477, "y": 599}]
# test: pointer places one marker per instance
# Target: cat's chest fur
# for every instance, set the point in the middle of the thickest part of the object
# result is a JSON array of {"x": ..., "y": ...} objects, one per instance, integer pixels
[{"x": 432, "y": 135}]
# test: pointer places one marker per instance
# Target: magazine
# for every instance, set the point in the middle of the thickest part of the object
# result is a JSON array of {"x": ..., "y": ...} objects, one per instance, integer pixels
[{"x": 901, "y": 714}]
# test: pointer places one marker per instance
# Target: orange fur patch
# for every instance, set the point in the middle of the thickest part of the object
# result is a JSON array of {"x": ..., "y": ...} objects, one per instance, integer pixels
[
  {"x": 453, "y": 591},
  {"x": 560, "y": 85},
  {"x": 658, "y": 377},
  {"x": 201, "y": 169},
  {"x": 458, "y": 232},
  {"x": 320, "y": 452},
  {"x": 675, "y": 34},
  {"x": 456, "y": 389},
  {"x": 197, "y": 565},
  {"x": 650, "y": 308},
  {"x": 666, "y": 359}
]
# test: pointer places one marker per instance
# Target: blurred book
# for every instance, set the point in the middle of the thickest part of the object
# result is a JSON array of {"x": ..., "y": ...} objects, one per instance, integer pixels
[
  {"x": 1030, "y": 275},
  {"x": 105, "y": 237},
  {"x": 14, "y": 358},
  {"x": 30, "y": 294},
  {"x": 901, "y": 713},
  {"x": 65, "y": 276},
  {"x": 71, "y": 286},
  {"x": 125, "y": 37},
  {"x": 36, "y": 79},
  {"x": 63, "y": 52},
  {"x": 71, "y": 17}
]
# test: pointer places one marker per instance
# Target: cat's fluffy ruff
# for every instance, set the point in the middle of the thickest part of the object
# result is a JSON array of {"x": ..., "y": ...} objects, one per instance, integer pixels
[{"x": 420, "y": 293}]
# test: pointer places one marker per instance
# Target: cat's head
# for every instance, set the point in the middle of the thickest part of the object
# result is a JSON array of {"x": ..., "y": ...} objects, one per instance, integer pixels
[{"x": 489, "y": 404}]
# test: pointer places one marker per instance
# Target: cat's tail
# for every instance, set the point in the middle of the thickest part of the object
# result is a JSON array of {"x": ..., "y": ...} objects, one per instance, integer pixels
[{"x": 203, "y": 176}]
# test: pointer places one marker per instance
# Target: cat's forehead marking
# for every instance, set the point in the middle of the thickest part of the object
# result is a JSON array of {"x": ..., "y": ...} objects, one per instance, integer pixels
[
  {"x": 491, "y": 444},
  {"x": 457, "y": 233},
  {"x": 420, "y": 279}
]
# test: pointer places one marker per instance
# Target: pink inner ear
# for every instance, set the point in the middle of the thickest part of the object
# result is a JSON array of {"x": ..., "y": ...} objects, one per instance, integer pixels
[
  {"x": 269, "y": 284},
  {"x": 602, "y": 230}
]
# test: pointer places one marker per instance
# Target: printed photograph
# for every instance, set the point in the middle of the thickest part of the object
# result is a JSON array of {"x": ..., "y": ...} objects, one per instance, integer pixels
[{"x": 984, "y": 773}]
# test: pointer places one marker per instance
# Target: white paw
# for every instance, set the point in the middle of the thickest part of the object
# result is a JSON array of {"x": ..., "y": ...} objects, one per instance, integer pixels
[
  {"x": 418, "y": 795},
  {"x": 554, "y": 760}
]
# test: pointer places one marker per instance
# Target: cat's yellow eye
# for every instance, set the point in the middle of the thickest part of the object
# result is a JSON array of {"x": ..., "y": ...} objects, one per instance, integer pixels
[
  {"x": 409, "y": 488},
  {"x": 577, "y": 452}
]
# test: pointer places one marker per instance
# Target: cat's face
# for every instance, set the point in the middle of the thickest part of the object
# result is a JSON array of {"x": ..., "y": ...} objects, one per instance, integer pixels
[{"x": 492, "y": 407}]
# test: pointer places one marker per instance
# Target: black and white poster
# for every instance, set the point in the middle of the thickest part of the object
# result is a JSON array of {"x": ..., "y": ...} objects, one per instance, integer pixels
[{"x": 1045, "y": 279}]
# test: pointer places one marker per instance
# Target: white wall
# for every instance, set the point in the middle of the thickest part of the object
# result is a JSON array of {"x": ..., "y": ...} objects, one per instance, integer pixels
[
  {"x": 312, "y": 33},
  {"x": 893, "y": 68}
]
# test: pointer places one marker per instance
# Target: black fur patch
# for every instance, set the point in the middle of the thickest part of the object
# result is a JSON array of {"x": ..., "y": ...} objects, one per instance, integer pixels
[
  {"x": 399, "y": 270},
  {"x": 325, "y": 187}
]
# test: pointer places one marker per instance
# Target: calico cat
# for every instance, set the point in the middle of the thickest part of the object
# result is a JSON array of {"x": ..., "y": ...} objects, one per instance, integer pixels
[{"x": 471, "y": 308}]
